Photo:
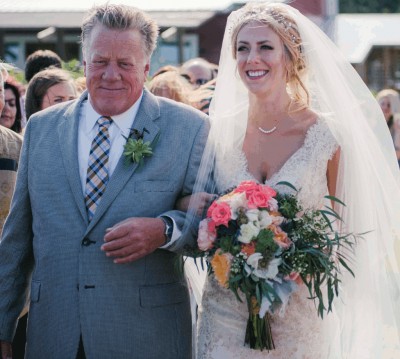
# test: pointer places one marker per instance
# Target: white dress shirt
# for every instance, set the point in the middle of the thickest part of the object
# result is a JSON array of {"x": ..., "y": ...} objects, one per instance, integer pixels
[{"x": 118, "y": 132}]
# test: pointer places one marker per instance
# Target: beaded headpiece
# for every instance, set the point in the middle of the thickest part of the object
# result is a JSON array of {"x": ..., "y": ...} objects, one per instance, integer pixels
[{"x": 259, "y": 14}]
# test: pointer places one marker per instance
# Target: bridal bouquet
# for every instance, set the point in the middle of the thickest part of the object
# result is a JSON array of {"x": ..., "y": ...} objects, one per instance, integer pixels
[{"x": 262, "y": 243}]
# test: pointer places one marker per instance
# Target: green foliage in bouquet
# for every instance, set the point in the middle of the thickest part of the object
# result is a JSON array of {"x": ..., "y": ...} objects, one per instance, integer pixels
[{"x": 318, "y": 250}]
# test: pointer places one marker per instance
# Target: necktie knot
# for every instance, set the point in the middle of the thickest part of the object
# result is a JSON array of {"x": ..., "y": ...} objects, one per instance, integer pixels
[{"x": 104, "y": 121}]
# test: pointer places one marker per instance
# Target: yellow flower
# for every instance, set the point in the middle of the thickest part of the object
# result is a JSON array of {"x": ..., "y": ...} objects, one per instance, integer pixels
[{"x": 221, "y": 264}]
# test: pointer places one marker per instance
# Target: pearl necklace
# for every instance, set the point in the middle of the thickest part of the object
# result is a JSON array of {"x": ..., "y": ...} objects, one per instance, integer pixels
[
  {"x": 273, "y": 129},
  {"x": 267, "y": 132}
]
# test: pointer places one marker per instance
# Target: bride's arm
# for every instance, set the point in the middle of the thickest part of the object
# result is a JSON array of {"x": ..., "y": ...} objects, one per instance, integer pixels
[
  {"x": 332, "y": 173},
  {"x": 200, "y": 201}
]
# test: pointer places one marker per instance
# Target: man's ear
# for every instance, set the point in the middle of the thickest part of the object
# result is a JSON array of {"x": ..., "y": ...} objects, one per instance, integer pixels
[{"x": 147, "y": 69}]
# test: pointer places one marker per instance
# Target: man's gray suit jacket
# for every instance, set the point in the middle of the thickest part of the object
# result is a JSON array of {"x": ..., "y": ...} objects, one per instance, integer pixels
[{"x": 137, "y": 310}]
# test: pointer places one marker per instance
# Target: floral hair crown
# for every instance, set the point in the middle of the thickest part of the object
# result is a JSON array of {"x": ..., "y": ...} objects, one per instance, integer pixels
[{"x": 259, "y": 14}]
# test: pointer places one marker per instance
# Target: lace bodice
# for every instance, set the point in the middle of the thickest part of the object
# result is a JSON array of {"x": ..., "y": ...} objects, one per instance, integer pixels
[
  {"x": 222, "y": 319},
  {"x": 305, "y": 169}
]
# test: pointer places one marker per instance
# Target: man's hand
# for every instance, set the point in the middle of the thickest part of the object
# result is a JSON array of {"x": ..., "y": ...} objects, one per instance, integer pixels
[
  {"x": 6, "y": 350},
  {"x": 133, "y": 239}
]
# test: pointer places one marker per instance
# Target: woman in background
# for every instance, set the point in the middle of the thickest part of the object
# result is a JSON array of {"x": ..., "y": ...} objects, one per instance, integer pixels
[
  {"x": 47, "y": 88},
  {"x": 11, "y": 117},
  {"x": 389, "y": 100},
  {"x": 172, "y": 85},
  {"x": 169, "y": 83}
]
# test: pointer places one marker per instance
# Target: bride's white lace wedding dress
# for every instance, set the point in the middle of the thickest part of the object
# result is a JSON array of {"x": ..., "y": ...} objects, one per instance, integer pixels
[{"x": 297, "y": 332}]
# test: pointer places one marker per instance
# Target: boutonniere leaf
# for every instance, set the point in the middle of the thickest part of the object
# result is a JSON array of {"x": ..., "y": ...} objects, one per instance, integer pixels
[{"x": 136, "y": 149}]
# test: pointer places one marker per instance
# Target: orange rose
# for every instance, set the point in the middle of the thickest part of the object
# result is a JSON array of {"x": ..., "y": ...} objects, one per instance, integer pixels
[
  {"x": 249, "y": 248},
  {"x": 275, "y": 213},
  {"x": 221, "y": 264}
]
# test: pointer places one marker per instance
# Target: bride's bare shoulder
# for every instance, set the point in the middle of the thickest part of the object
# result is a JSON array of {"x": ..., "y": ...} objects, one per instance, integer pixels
[{"x": 304, "y": 119}]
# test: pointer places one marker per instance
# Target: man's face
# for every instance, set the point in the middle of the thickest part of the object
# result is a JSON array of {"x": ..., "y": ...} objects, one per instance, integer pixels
[{"x": 116, "y": 67}]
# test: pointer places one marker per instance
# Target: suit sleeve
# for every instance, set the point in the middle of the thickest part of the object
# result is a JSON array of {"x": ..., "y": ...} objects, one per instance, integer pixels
[
  {"x": 188, "y": 226},
  {"x": 16, "y": 254}
]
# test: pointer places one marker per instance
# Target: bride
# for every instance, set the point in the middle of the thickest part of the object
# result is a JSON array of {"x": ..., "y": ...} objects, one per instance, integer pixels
[{"x": 288, "y": 107}]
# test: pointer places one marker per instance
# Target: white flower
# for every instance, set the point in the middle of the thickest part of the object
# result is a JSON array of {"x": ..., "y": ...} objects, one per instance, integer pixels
[
  {"x": 235, "y": 201},
  {"x": 271, "y": 271},
  {"x": 265, "y": 219},
  {"x": 253, "y": 216},
  {"x": 265, "y": 273},
  {"x": 254, "y": 259},
  {"x": 248, "y": 231},
  {"x": 273, "y": 204}
]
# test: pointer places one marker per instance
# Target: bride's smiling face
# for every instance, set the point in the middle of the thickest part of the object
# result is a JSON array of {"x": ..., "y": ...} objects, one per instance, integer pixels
[{"x": 260, "y": 58}]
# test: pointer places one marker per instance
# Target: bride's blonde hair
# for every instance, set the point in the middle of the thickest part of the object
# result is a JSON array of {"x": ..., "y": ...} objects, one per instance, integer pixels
[{"x": 281, "y": 22}]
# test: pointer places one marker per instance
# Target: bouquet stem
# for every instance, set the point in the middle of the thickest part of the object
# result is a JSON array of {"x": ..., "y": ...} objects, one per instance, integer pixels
[{"x": 258, "y": 331}]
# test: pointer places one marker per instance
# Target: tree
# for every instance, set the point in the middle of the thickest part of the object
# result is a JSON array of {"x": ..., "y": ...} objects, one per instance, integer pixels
[{"x": 369, "y": 6}]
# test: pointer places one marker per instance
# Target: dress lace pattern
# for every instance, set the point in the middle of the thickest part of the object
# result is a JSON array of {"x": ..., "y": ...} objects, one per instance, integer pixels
[{"x": 297, "y": 333}]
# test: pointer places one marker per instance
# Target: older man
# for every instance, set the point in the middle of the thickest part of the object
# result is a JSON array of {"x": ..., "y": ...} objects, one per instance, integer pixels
[{"x": 92, "y": 230}]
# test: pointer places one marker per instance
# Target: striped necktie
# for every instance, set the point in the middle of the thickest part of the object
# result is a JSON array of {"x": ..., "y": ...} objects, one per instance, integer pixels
[{"x": 97, "y": 172}]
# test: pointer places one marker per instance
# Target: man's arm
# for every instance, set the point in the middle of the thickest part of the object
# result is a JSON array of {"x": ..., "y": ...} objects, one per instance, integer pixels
[{"x": 137, "y": 237}]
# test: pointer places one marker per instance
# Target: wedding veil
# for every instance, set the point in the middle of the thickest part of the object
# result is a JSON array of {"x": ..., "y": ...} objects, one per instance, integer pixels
[{"x": 366, "y": 318}]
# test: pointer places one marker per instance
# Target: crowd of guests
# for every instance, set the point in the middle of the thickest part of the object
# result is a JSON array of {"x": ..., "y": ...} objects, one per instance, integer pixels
[{"x": 47, "y": 84}]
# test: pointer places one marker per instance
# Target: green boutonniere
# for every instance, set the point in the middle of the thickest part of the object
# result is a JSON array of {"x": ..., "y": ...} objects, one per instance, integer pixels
[{"x": 135, "y": 149}]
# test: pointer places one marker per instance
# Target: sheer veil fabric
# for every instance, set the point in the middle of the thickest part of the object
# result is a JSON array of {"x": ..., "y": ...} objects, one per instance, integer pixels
[{"x": 366, "y": 318}]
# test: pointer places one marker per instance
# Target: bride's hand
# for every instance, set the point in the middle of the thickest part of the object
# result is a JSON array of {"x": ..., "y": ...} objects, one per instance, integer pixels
[{"x": 200, "y": 201}]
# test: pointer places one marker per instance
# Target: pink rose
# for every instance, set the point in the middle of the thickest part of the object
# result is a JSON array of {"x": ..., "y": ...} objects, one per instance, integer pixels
[
  {"x": 211, "y": 209},
  {"x": 268, "y": 191},
  {"x": 248, "y": 187},
  {"x": 211, "y": 226},
  {"x": 220, "y": 213},
  {"x": 258, "y": 199},
  {"x": 206, "y": 238}
]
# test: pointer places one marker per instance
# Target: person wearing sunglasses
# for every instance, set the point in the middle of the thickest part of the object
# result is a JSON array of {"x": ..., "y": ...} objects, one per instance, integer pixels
[{"x": 197, "y": 71}]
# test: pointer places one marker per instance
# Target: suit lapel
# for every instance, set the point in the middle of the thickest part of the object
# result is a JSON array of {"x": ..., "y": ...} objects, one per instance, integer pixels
[
  {"x": 148, "y": 112},
  {"x": 68, "y": 138}
]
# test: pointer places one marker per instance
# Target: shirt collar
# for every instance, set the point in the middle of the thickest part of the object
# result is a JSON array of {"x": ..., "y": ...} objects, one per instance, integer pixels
[{"x": 123, "y": 121}]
